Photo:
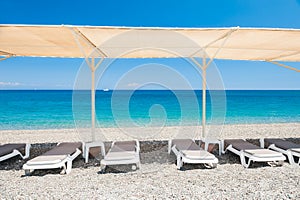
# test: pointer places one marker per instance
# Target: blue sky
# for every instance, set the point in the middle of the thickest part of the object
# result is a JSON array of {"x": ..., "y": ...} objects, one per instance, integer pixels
[{"x": 50, "y": 73}]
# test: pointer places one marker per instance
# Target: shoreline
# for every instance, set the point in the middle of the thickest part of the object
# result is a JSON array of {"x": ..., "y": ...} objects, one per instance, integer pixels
[
  {"x": 73, "y": 127},
  {"x": 238, "y": 131}
]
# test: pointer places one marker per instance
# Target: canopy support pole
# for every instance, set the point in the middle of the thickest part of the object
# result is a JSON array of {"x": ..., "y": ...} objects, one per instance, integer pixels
[
  {"x": 93, "y": 97},
  {"x": 4, "y": 58},
  {"x": 204, "y": 66},
  {"x": 78, "y": 34},
  {"x": 224, "y": 36},
  {"x": 204, "y": 97},
  {"x": 284, "y": 66},
  {"x": 93, "y": 66}
]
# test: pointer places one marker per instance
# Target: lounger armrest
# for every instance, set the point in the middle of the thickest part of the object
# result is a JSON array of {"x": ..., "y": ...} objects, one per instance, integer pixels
[
  {"x": 262, "y": 142},
  {"x": 70, "y": 160},
  {"x": 176, "y": 151},
  {"x": 137, "y": 146},
  {"x": 27, "y": 151},
  {"x": 74, "y": 155},
  {"x": 83, "y": 149},
  {"x": 243, "y": 160},
  {"x": 169, "y": 146},
  {"x": 223, "y": 147}
]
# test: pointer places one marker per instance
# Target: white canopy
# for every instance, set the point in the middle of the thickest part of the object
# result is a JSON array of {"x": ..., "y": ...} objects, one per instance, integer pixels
[
  {"x": 62, "y": 41},
  {"x": 126, "y": 42}
]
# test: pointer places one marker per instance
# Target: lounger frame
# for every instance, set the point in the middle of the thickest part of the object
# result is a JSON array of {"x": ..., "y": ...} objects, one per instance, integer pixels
[
  {"x": 276, "y": 160},
  {"x": 181, "y": 158},
  {"x": 65, "y": 164},
  {"x": 136, "y": 160},
  {"x": 289, "y": 153},
  {"x": 88, "y": 145},
  {"x": 16, "y": 153}
]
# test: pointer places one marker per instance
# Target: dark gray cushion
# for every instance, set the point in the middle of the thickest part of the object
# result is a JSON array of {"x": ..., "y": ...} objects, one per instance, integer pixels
[
  {"x": 185, "y": 144},
  {"x": 240, "y": 144},
  {"x": 9, "y": 148},
  {"x": 123, "y": 146},
  {"x": 66, "y": 148},
  {"x": 283, "y": 144}
]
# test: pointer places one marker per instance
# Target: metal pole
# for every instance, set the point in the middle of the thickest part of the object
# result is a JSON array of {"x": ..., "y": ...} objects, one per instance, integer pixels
[
  {"x": 5, "y": 57},
  {"x": 93, "y": 98},
  {"x": 204, "y": 98},
  {"x": 285, "y": 66}
]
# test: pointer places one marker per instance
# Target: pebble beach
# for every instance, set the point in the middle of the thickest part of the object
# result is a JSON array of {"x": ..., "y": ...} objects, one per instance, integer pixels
[{"x": 158, "y": 177}]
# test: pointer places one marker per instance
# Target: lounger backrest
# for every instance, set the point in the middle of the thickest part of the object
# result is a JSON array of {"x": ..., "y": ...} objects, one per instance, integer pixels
[
  {"x": 185, "y": 144},
  {"x": 64, "y": 149},
  {"x": 9, "y": 148},
  {"x": 283, "y": 144},
  {"x": 240, "y": 144},
  {"x": 123, "y": 146}
]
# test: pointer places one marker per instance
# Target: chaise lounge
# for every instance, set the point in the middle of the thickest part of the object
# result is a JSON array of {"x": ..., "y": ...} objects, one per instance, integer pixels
[
  {"x": 60, "y": 156},
  {"x": 290, "y": 149},
  {"x": 122, "y": 152},
  {"x": 187, "y": 151},
  {"x": 10, "y": 150},
  {"x": 252, "y": 152}
]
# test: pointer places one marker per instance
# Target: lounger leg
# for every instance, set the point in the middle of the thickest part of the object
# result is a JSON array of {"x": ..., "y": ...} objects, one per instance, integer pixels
[
  {"x": 138, "y": 165},
  {"x": 206, "y": 144},
  {"x": 103, "y": 150},
  {"x": 210, "y": 165},
  {"x": 102, "y": 169},
  {"x": 86, "y": 154},
  {"x": 27, "y": 151},
  {"x": 243, "y": 160},
  {"x": 63, "y": 171},
  {"x": 291, "y": 157},
  {"x": 169, "y": 146},
  {"x": 179, "y": 162},
  {"x": 262, "y": 142},
  {"x": 27, "y": 172},
  {"x": 279, "y": 163},
  {"x": 222, "y": 147},
  {"x": 134, "y": 167},
  {"x": 69, "y": 167}
]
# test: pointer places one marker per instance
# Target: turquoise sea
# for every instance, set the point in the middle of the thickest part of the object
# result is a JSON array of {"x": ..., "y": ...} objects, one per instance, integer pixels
[{"x": 44, "y": 109}]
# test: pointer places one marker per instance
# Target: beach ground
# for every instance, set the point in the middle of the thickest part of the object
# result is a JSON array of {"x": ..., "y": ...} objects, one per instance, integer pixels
[{"x": 158, "y": 177}]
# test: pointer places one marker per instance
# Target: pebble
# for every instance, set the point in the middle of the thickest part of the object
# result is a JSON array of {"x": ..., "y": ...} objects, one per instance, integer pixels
[{"x": 158, "y": 177}]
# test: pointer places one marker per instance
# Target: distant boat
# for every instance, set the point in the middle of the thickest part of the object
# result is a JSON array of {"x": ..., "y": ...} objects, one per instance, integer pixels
[{"x": 105, "y": 89}]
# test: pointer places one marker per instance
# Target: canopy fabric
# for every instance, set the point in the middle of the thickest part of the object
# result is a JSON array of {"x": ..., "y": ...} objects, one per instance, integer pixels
[{"x": 259, "y": 44}]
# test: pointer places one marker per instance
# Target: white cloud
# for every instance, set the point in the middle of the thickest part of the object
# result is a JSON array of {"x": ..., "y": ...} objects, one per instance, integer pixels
[
  {"x": 10, "y": 84},
  {"x": 64, "y": 85},
  {"x": 134, "y": 84}
]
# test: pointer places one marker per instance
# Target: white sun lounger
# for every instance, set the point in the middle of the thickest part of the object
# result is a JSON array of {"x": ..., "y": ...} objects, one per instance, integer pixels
[
  {"x": 60, "y": 156},
  {"x": 122, "y": 152},
  {"x": 187, "y": 151},
  {"x": 10, "y": 150},
  {"x": 254, "y": 153},
  {"x": 290, "y": 149}
]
